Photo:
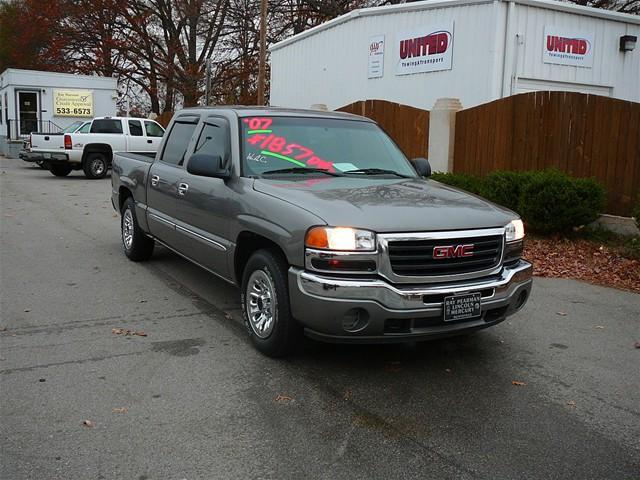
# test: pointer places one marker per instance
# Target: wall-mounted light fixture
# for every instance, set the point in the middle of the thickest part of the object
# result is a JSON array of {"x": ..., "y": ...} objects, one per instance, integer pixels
[{"x": 628, "y": 43}]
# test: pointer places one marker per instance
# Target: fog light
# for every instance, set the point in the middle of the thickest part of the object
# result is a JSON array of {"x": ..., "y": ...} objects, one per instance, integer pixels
[
  {"x": 355, "y": 320},
  {"x": 521, "y": 299}
]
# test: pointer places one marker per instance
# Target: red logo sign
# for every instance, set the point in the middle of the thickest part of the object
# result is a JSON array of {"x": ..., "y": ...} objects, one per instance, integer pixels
[
  {"x": 436, "y": 42},
  {"x": 374, "y": 47},
  {"x": 452, "y": 251},
  {"x": 576, "y": 46}
]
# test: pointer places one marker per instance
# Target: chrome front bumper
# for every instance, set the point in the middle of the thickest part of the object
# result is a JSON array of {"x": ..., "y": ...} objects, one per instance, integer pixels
[{"x": 324, "y": 304}]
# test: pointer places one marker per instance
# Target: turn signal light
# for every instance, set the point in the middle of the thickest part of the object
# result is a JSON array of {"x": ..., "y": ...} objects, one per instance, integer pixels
[
  {"x": 341, "y": 238},
  {"x": 67, "y": 142}
]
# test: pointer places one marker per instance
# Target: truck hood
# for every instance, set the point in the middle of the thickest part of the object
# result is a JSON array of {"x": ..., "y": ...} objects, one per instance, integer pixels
[{"x": 387, "y": 205}]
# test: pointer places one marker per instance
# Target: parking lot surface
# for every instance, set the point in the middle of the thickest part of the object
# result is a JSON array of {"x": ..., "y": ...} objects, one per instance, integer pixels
[{"x": 553, "y": 392}]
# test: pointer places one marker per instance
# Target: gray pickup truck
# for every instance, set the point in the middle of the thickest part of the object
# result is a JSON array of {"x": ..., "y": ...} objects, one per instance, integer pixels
[{"x": 324, "y": 225}]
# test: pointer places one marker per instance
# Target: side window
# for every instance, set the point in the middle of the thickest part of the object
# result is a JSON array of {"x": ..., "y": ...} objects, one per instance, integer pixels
[
  {"x": 153, "y": 129},
  {"x": 177, "y": 142},
  {"x": 0, "y": 110},
  {"x": 85, "y": 128},
  {"x": 135, "y": 128},
  {"x": 106, "y": 125},
  {"x": 214, "y": 140}
]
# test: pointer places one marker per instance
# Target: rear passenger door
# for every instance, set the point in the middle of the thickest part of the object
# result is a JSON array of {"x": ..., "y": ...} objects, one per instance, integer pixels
[
  {"x": 204, "y": 203},
  {"x": 164, "y": 176}
]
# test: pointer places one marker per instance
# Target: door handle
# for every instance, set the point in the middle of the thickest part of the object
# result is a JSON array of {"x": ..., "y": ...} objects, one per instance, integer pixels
[
  {"x": 155, "y": 179},
  {"x": 182, "y": 189},
  {"x": 149, "y": 141}
]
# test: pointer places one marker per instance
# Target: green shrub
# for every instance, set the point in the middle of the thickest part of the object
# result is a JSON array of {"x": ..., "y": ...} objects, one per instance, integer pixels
[
  {"x": 553, "y": 202},
  {"x": 470, "y": 183},
  {"x": 505, "y": 187}
]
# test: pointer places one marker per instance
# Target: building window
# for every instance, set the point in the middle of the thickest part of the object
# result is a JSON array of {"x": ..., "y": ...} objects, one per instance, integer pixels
[{"x": 0, "y": 109}]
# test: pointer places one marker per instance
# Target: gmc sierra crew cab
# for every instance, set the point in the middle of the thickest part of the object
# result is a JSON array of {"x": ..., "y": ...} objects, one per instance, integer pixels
[
  {"x": 93, "y": 151},
  {"x": 324, "y": 225}
]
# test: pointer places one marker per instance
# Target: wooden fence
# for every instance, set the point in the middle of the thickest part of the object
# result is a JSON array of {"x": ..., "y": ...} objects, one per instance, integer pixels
[
  {"x": 583, "y": 135},
  {"x": 408, "y": 126}
]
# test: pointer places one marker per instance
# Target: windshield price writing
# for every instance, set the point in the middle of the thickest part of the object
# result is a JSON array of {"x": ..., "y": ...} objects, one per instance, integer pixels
[{"x": 278, "y": 147}]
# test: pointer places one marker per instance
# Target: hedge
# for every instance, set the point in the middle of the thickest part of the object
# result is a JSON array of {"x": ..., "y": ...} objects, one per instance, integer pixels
[{"x": 549, "y": 201}]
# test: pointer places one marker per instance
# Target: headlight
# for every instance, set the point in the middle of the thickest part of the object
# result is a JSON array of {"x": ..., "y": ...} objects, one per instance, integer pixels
[
  {"x": 515, "y": 230},
  {"x": 341, "y": 238}
]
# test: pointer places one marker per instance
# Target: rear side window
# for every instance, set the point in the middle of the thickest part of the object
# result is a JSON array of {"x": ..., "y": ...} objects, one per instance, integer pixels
[
  {"x": 106, "y": 125},
  {"x": 135, "y": 128},
  {"x": 177, "y": 143},
  {"x": 85, "y": 128},
  {"x": 153, "y": 129}
]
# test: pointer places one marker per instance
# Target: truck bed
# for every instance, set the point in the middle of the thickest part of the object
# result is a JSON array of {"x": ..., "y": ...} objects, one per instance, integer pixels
[{"x": 131, "y": 170}]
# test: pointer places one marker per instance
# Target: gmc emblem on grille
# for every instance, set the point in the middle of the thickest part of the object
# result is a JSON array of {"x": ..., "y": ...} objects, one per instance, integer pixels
[{"x": 452, "y": 251}]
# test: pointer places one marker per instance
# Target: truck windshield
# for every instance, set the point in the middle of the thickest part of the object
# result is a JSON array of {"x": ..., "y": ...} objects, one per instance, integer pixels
[
  {"x": 350, "y": 147},
  {"x": 72, "y": 128}
]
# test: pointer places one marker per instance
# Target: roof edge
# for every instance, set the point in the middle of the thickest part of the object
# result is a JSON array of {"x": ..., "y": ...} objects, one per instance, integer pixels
[
  {"x": 432, "y": 4},
  {"x": 46, "y": 72}
]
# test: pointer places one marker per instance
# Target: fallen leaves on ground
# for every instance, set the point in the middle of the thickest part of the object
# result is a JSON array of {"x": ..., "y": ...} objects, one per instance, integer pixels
[
  {"x": 571, "y": 403},
  {"x": 637, "y": 344},
  {"x": 283, "y": 398},
  {"x": 518, "y": 383},
  {"x": 582, "y": 259},
  {"x": 562, "y": 314},
  {"x": 88, "y": 423},
  {"x": 120, "y": 410},
  {"x": 126, "y": 332}
]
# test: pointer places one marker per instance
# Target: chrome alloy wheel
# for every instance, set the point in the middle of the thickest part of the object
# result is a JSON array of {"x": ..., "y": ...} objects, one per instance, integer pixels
[
  {"x": 261, "y": 303},
  {"x": 97, "y": 167},
  {"x": 127, "y": 229}
]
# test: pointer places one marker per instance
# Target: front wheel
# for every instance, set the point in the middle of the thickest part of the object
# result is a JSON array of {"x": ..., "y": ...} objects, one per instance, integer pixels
[
  {"x": 137, "y": 246},
  {"x": 265, "y": 305},
  {"x": 60, "y": 170},
  {"x": 95, "y": 166}
]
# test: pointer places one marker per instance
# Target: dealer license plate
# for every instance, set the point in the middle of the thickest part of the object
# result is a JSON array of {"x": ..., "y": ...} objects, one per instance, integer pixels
[{"x": 459, "y": 307}]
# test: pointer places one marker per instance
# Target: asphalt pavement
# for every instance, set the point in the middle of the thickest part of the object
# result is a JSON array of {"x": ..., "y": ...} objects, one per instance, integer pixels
[{"x": 552, "y": 393}]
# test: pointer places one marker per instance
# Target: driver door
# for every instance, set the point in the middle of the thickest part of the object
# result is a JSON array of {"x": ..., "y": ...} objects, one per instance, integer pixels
[{"x": 204, "y": 203}]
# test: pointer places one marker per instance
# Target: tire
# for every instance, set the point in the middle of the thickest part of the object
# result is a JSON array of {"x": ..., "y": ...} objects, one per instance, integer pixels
[
  {"x": 266, "y": 275},
  {"x": 137, "y": 246},
  {"x": 95, "y": 166},
  {"x": 60, "y": 170},
  {"x": 42, "y": 164}
]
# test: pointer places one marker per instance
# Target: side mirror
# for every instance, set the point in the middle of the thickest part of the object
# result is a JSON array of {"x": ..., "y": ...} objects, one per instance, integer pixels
[
  {"x": 422, "y": 166},
  {"x": 206, "y": 165}
]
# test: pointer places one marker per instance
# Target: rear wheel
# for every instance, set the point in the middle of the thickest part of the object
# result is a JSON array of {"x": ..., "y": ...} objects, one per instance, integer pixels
[
  {"x": 60, "y": 170},
  {"x": 42, "y": 164},
  {"x": 265, "y": 305},
  {"x": 137, "y": 246},
  {"x": 95, "y": 165}
]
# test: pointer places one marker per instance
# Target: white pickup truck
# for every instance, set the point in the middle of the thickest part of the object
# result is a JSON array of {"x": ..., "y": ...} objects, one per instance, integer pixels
[
  {"x": 41, "y": 147},
  {"x": 92, "y": 152}
]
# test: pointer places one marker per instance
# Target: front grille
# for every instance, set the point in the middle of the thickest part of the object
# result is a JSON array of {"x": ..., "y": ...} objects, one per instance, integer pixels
[{"x": 414, "y": 258}]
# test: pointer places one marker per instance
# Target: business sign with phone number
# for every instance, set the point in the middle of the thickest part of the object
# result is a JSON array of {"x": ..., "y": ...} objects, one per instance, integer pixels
[
  {"x": 73, "y": 103},
  {"x": 262, "y": 137}
]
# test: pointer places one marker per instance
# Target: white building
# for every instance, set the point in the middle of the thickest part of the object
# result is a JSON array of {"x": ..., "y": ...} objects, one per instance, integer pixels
[
  {"x": 474, "y": 50},
  {"x": 48, "y": 102}
]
